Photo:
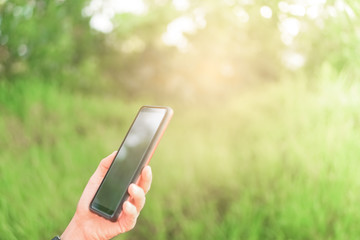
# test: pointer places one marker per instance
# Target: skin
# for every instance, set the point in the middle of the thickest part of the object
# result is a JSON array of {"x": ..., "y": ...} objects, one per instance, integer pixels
[{"x": 87, "y": 225}]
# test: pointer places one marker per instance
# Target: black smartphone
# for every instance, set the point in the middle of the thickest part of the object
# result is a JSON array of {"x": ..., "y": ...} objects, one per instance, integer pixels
[{"x": 133, "y": 155}]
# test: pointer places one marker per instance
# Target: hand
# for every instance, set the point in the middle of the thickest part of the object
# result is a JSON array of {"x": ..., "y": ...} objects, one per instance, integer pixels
[{"x": 88, "y": 225}]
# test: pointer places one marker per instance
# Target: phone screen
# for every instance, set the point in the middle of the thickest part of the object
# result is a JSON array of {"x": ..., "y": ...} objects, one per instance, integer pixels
[{"x": 128, "y": 160}]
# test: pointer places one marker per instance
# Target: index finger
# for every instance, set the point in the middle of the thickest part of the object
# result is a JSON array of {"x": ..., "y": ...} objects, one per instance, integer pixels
[{"x": 104, "y": 165}]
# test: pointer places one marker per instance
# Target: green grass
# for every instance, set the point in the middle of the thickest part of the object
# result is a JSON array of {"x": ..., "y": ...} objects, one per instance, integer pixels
[{"x": 276, "y": 162}]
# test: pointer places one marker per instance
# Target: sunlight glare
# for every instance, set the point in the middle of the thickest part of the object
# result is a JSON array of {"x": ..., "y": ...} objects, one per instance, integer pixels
[
  {"x": 266, "y": 12},
  {"x": 181, "y": 5},
  {"x": 293, "y": 60},
  {"x": 290, "y": 26},
  {"x": 174, "y": 36},
  {"x": 101, "y": 23},
  {"x": 102, "y": 11}
]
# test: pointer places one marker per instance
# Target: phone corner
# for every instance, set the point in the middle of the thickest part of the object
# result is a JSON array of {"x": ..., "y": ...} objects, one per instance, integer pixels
[{"x": 169, "y": 110}]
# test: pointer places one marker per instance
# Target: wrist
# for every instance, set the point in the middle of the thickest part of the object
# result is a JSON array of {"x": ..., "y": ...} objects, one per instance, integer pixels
[{"x": 73, "y": 231}]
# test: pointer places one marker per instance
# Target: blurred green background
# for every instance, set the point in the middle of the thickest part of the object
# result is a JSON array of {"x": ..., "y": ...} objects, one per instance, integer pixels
[{"x": 264, "y": 143}]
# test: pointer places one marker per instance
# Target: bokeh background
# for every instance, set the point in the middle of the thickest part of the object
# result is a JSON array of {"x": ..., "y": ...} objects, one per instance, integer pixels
[{"x": 264, "y": 143}]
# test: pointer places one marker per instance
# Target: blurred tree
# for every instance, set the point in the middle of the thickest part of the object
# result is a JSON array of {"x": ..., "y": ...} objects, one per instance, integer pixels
[
  {"x": 183, "y": 49},
  {"x": 49, "y": 40}
]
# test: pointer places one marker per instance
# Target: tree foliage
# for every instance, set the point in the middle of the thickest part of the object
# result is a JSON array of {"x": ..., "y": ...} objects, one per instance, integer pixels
[{"x": 222, "y": 46}]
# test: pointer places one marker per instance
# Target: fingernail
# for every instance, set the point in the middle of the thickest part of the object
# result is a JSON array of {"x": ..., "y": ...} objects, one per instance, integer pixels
[
  {"x": 127, "y": 206},
  {"x": 133, "y": 188},
  {"x": 149, "y": 172}
]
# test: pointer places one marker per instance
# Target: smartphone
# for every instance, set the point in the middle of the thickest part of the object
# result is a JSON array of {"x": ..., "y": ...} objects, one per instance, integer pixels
[{"x": 133, "y": 155}]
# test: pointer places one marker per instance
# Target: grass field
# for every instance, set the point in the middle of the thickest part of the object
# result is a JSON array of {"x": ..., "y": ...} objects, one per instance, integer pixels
[{"x": 280, "y": 161}]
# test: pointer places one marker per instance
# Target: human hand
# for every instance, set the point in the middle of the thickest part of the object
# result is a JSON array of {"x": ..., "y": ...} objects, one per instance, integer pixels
[{"x": 87, "y": 225}]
